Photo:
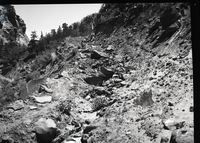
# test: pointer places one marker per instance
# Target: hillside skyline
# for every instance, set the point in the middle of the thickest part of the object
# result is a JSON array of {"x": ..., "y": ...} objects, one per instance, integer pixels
[{"x": 44, "y": 17}]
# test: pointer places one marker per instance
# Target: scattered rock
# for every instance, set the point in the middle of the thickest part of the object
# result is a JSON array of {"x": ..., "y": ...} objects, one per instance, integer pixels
[
  {"x": 184, "y": 135},
  {"x": 43, "y": 99},
  {"x": 110, "y": 48},
  {"x": 164, "y": 140},
  {"x": 6, "y": 139},
  {"x": 46, "y": 89},
  {"x": 17, "y": 105},
  {"x": 45, "y": 130}
]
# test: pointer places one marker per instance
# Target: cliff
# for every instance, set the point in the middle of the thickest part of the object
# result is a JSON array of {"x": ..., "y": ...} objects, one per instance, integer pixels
[{"x": 12, "y": 27}]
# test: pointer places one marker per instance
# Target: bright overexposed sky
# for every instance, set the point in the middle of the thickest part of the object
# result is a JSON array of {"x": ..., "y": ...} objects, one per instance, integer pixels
[{"x": 44, "y": 17}]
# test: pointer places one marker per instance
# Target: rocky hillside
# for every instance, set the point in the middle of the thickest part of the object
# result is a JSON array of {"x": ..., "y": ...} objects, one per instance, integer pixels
[{"x": 130, "y": 82}]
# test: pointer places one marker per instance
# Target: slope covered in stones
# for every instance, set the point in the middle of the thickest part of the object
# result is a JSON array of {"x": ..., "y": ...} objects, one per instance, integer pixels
[{"x": 130, "y": 82}]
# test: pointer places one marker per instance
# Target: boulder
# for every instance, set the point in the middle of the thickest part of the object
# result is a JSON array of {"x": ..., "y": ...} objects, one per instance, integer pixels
[
  {"x": 169, "y": 124},
  {"x": 97, "y": 55},
  {"x": 107, "y": 72},
  {"x": 183, "y": 135},
  {"x": 45, "y": 130},
  {"x": 42, "y": 99}
]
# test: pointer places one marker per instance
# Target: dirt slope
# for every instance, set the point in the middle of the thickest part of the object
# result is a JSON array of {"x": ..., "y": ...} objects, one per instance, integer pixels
[{"x": 134, "y": 84}]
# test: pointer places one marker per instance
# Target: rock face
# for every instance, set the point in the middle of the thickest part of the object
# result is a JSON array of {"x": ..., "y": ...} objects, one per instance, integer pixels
[{"x": 12, "y": 27}]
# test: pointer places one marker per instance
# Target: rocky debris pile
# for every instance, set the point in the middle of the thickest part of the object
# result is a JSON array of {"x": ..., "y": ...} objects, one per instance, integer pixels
[{"x": 129, "y": 89}]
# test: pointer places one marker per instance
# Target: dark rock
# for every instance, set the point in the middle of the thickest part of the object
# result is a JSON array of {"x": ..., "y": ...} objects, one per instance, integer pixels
[
  {"x": 168, "y": 33},
  {"x": 191, "y": 109},
  {"x": 168, "y": 17},
  {"x": 107, "y": 72},
  {"x": 87, "y": 121},
  {"x": 95, "y": 80},
  {"x": 1, "y": 25},
  {"x": 145, "y": 99},
  {"x": 45, "y": 130},
  {"x": 184, "y": 135},
  {"x": 170, "y": 104},
  {"x": 88, "y": 129},
  {"x": 97, "y": 55},
  {"x": 84, "y": 138}
]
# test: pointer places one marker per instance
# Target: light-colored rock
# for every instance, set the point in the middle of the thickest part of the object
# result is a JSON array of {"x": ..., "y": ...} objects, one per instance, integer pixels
[
  {"x": 17, "y": 105},
  {"x": 110, "y": 48},
  {"x": 27, "y": 121},
  {"x": 169, "y": 123},
  {"x": 124, "y": 83},
  {"x": 46, "y": 89},
  {"x": 117, "y": 80},
  {"x": 65, "y": 74},
  {"x": 69, "y": 141},
  {"x": 43, "y": 99},
  {"x": 45, "y": 130},
  {"x": 32, "y": 107}
]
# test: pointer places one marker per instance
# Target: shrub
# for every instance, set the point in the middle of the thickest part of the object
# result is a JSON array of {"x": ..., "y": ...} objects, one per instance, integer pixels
[{"x": 65, "y": 107}]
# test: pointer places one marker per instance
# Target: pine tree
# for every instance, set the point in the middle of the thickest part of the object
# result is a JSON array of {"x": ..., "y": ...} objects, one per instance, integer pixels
[
  {"x": 59, "y": 32},
  {"x": 53, "y": 33},
  {"x": 41, "y": 37},
  {"x": 33, "y": 35},
  {"x": 65, "y": 29}
]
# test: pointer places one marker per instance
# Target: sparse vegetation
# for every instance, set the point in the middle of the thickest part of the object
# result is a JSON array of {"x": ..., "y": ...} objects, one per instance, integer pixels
[
  {"x": 137, "y": 91},
  {"x": 65, "y": 107}
]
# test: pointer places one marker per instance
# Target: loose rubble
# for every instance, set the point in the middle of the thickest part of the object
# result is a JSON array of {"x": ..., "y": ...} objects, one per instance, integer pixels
[{"x": 136, "y": 87}]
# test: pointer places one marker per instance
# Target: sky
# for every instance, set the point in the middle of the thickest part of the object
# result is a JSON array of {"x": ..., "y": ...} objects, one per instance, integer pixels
[{"x": 44, "y": 17}]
